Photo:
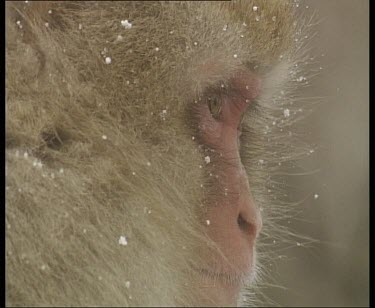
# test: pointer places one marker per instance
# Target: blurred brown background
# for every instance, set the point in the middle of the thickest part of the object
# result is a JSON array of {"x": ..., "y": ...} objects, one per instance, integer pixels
[{"x": 335, "y": 270}]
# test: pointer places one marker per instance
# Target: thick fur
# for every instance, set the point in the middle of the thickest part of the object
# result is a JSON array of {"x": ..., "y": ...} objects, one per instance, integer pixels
[{"x": 109, "y": 147}]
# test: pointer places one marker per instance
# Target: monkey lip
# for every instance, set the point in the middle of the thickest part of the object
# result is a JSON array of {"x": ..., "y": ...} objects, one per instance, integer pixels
[{"x": 232, "y": 279}]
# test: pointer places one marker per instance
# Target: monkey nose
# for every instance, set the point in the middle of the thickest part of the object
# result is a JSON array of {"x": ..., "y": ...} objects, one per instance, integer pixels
[{"x": 249, "y": 218}]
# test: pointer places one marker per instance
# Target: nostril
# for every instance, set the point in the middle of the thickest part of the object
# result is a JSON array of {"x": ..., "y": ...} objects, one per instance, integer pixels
[
  {"x": 243, "y": 224},
  {"x": 250, "y": 228}
]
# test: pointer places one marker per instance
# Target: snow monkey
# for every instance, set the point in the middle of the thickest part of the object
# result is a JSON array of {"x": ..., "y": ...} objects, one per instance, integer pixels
[{"x": 141, "y": 139}]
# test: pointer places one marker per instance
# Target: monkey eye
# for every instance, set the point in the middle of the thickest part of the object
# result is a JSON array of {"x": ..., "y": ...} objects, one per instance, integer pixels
[{"x": 214, "y": 104}]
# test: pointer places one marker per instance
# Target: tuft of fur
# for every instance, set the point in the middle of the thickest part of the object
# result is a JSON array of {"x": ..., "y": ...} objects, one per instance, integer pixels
[{"x": 99, "y": 151}]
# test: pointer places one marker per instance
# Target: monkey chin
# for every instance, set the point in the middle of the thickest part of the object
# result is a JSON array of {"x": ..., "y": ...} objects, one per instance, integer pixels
[{"x": 222, "y": 287}]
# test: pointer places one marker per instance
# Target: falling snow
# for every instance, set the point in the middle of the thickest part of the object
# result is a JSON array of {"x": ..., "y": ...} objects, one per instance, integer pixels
[
  {"x": 255, "y": 8},
  {"x": 122, "y": 241},
  {"x": 316, "y": 196},
  {"x": 108, "y": 60},
  {"x": 126, "y": 24},
  {"x": 127, "y": 284},
  {"x": 104, "y": 137},
  {"x": 286, "y": 113},
  {"x": 207, "y": 159},
  {"x": 208, "y": 222},
  {"x": 26, "y": 155}
]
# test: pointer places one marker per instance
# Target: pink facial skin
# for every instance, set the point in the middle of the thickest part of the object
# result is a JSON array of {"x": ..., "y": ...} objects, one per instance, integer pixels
[{"x": 232, "y": 219}]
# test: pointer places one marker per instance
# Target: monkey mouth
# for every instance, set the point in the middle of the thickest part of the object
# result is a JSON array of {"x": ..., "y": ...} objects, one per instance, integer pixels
[{"x": 232, "y": 279}]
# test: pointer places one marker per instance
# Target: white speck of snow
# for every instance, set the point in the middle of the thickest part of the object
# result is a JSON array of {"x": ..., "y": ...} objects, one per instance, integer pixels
[
  {"x": 39, "y": 164},
  {"x": 235, "y": 56},
  {"x": 127, "y": 284},
  {"x": 200, "y": 166},
  {"x": 244, "y": 24},
  {"x": 46, "y": 24},
  {"x": 273, "y": 123},
  {"x": 195, "y": 43},
  {"x": 192, "y": 138},
  {"x": 61, "y": 170},
  {"x": 207, "y": 159},
  {"x": 49, "y": 11},
  {"x": 108, "y": 60},
  {"x": 84, "y": 231},
  {"x": 164, "y": 111},
  {"x": 122, "y": 241},
  {"x": 273, "y": 18},
  {"x": 225, "y": 27},
  {"x": 133, "y": 173},
  {"x": 286, "y": 113},
  {"x": 43, "y": 267},
  {"x": 316, "y": 196},
  {"x": 119, "y": 37},
  {"x": 257, "y": 18},
  {"x": 208, "y": 222},
  {"x": 148, "y": 164},
  {"x": 261, "y": 161},
  {"x": 18, "y": 22},
  {"x": 298, "y": 244},
  {"x": 26, "y": 155},
  {"x": 157, "y": 49},
  {"x": 104, "y": 137},
  {"x": 311, "y": 151},
  {"x": 126, "y": 24},
  {"x": 79, "y": 26},
  {"x": 255, "y": 8},
  {"x": 201, "y": 185}
]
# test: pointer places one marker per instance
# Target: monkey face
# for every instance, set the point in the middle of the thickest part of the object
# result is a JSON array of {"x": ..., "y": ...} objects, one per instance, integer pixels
[
  {"x": 145, "y": 107},
  {"x": 233, "y": 221}
]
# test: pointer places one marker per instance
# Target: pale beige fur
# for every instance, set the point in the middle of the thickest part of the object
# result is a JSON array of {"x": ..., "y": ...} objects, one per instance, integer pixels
[{"x": 109, "y": 147}]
